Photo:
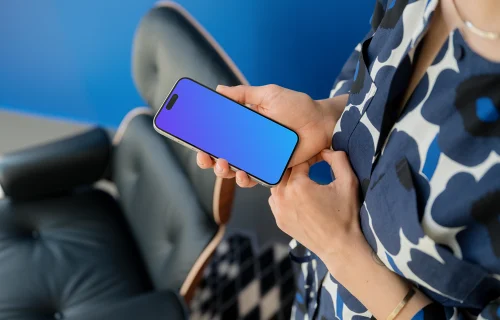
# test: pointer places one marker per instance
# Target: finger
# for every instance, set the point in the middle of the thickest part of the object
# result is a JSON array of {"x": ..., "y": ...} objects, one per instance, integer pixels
[
  {"x": 222, "y": 169},
  {"x": 317, "y": 158},
  {"x": 300, "y": 171},
  {"x": 276, "y": 213},
  {"x": 246, "y": 94},
  {"x": 204, "y": 161},
  {"x": 339, "y": 162},
  {"x": 284, "y": 181},
  {"x": 243, "y": 180},
  {"x": 272, "y": 204}
]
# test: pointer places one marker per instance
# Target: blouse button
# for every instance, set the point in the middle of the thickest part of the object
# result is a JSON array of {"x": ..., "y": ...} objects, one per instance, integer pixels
[{"x": 459, "y": 52}]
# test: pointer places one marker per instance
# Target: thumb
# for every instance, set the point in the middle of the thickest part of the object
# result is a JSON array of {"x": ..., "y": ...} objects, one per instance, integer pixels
[
  {"x": 339, "y": 162},
  {"x": 243, "y": 94},
  {"x": 299, "y": 171}
]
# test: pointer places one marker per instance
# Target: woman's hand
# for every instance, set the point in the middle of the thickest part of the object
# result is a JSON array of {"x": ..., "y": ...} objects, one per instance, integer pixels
[
  {"x": 313, "y": 121},
  {"x": 324, "y": 218}
]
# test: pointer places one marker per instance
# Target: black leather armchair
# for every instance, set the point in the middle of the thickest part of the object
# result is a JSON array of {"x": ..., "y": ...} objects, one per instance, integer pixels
[{"x": 71, "y": 248}]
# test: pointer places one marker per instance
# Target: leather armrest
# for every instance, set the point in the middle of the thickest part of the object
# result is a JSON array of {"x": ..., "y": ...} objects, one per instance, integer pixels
[{"x": 57, "y": 166}]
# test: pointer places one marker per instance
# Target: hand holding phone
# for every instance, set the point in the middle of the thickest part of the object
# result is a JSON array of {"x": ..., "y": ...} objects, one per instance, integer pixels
[
  {"x": 204, "y": 120},
  {"x": 312, "y": 120}
]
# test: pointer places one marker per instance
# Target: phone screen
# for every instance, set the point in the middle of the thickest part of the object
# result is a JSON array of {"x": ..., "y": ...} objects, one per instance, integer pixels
[{"x": 225, "y": 129}]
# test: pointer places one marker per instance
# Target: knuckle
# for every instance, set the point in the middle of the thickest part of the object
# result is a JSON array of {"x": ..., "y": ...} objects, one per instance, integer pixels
[
  {"x": 272, "y": 91},
  {"x": 352, "y": 182},
  {"x": 242, "y": 182},
  {"x": 296, "y": 192},
  {"x": 277, "y": 197},
  {"x": 272, "y": 87},
  {"x": 270, "y": 201},
  {"x": 280, "y": 222},
  {"x": 248, "y": 185},
  {"x": 280, "y": 226},
  {"x": 303, "y": 96},
  {"x": 339, "y": 155},
  {"x": 300, "y": 184},
  {"x": 204, "y": 165}
]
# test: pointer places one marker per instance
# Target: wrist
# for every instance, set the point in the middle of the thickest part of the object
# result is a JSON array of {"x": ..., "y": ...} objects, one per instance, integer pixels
[
  {"x": 351, "y": 250},
  {"x": 331, "y": 110},
  {"x": 373, "y": 284}
]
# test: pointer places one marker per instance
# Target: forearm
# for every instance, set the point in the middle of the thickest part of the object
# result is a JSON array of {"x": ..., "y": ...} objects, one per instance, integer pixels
[
  {"x": 373, "y": 284},
  {"x": 332, "y": 109},
  {"x": 378, "y": 288}
]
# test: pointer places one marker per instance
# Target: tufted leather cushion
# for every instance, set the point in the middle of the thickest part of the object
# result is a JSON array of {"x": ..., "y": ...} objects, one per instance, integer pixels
[
  {"x": 170, "y": 225},
  {"x": 62, "y": 257}
]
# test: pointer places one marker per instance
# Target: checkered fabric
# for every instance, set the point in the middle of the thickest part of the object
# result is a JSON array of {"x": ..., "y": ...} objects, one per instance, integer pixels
[{"x": 239, "y": 284}]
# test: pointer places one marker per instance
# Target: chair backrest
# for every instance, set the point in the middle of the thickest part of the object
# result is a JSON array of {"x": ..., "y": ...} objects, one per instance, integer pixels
[
  {"x": 170, "y": 44},
  {"x": 176, "y": 211}
]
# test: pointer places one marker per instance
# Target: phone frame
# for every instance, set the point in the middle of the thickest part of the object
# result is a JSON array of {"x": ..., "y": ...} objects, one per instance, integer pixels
[{"x": 194, "y": 148}]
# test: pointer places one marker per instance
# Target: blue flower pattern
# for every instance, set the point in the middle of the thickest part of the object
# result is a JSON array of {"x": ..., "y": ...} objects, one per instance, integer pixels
[{"x": 430, "y": 179}]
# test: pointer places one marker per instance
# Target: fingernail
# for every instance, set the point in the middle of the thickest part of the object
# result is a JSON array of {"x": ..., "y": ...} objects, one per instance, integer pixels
[
  {"x": 327, "y": 151},
  {"x": 238, "y": 180},
  {"x": 218, "y": 168},
  {"x": 220, "y": 86}
]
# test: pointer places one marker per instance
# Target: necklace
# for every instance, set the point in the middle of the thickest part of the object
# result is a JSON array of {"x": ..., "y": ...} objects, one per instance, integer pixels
[{"x": 477, "y": 31}]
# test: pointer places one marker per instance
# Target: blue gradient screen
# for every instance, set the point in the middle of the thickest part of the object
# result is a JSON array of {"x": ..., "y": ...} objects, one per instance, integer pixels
[{"x": 225, "y": 129}]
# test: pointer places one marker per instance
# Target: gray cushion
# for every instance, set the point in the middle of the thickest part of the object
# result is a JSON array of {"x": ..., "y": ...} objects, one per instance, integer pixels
[
  {"x": 168, "y": 222},
  {"x": 66, "y": 255}
]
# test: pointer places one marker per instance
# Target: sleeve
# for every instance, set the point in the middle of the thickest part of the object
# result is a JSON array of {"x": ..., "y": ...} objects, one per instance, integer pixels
[
  {"x": 344, "y": 80},
  {"x": 435, "y": 311},
  {"x": 492, "y": 311}
]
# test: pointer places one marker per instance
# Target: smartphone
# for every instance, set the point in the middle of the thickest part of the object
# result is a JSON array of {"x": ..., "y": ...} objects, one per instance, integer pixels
[{"x": 204, "y": 120}]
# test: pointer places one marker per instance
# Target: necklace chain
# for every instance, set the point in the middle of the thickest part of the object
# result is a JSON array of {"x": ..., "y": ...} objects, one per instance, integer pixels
[{"x": 477, "y": 31}]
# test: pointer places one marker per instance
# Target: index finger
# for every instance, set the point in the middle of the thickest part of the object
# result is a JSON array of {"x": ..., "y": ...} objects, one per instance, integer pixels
[
  {"x": 339, "y": 162},
  {"x": 243, "y": 94},
  {"x": 203, "y": 160}
]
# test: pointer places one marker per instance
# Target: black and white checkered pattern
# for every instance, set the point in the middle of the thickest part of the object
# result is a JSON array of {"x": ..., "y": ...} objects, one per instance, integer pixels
[{"x": 238, "y": 284}]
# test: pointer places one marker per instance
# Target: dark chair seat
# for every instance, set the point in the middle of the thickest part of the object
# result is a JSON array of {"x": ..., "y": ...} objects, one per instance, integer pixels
[
  {"x": 65, "y": 255},
  {"x": 71, "y": 251}
]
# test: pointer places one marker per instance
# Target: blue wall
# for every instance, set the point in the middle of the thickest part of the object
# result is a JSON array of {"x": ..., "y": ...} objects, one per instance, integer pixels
[{"x": 71, "y": 59}]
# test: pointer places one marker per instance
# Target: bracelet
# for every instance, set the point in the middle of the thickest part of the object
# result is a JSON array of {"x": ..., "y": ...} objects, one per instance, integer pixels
[{"x": 402, "y": 304}]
